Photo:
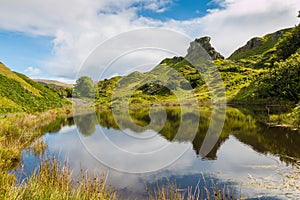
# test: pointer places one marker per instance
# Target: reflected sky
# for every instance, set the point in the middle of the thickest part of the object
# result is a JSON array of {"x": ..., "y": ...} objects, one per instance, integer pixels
[{"x": 236, "y": 162}]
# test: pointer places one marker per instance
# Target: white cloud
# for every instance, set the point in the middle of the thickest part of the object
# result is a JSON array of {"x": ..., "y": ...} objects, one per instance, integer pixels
[
  {"x": 239, "y": 20},
  {"x": 158, "y": 6},
  {"x": 78, "y": 26},
  {"x": 31, "y": 71},
  {"x": 244, "y": 19}
]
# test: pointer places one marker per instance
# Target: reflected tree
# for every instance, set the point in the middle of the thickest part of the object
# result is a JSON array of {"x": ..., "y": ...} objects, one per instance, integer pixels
[
  {"x": 243, "y": 123},
  {"x": 86, "y": 124}
]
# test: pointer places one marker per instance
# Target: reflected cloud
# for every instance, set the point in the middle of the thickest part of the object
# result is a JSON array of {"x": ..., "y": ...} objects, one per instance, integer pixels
[{"x": 244, "y": 151}]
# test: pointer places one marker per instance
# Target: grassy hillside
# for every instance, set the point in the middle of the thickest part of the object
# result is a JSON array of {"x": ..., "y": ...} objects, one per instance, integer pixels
[
  {"x": 19, "y": 93},
  {"x": 258, "y": 45},
  {"x": 62, "y": 89},
  {"x": 280, "y": 80},
  {"x": 5, "y": 71},
  {"x": 266, "y": 70}
]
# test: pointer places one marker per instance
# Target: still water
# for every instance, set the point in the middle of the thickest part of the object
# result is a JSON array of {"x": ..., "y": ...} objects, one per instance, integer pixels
[{"x": 249, "y": 158}]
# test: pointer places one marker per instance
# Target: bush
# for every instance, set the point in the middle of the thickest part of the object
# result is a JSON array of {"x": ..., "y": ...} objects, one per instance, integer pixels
[{"x": 283, "y": 80}]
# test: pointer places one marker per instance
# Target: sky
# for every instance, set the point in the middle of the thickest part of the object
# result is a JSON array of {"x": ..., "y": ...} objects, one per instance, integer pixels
[{"x": 52, "y": 40}]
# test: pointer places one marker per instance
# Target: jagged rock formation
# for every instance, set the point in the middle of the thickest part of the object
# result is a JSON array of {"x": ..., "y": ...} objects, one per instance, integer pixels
[
  {"x": 201, "y": 44},
  {"x": 254, "y": 42}
]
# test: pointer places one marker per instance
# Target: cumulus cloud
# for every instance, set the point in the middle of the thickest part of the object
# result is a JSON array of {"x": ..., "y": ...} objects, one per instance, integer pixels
[
  {"x": 232, "y": 25},
  {"x": 31, "y": 71},
  {"x": 241, "y": 20},
  {"x": 158, "y": 6},
  {"x": 78, "y": 26}
]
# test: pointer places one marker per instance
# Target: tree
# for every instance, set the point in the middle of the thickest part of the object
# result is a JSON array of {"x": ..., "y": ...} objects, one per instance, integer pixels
[
  {"x": 84, "y": 87},
  {"x": 86, "y": 124}
]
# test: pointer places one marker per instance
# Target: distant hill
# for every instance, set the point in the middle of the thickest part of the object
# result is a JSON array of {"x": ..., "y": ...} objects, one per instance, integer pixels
[
  {"x": 54, "y": 82},
  {"x": 18, "y": 93}
]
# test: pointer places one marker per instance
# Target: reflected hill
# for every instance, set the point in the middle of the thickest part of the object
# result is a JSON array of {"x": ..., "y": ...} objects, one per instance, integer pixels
[{"x": 245, "y": 127}]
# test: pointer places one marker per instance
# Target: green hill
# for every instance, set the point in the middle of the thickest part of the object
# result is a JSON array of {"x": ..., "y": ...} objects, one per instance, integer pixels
[
  {"x": 18, "y": 93},
  {"x": 265, "y": 70},
  {"x": 281, "y": 65},
  {"x": 259, "y": 45}
]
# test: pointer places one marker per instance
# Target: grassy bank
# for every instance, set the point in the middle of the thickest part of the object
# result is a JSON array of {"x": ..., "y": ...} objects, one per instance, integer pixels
[
  {"x": 21, "y": 130},
  {"x": 54, "y": 181},
  {"x": 291, "y": 119}
]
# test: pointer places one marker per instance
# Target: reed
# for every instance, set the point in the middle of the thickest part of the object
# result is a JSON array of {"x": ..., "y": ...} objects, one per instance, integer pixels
[
  {"x": 209, "y": 191},
  {"x": 53, "y": 180}
]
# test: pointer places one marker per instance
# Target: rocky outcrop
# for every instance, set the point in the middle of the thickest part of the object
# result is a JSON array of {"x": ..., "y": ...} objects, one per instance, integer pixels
[
  {"x": 275, "y": 36},
  {"x": 254, "y": 42},
  {"x": 258, "y": 45},
  {"x": 201, "y": 44}
]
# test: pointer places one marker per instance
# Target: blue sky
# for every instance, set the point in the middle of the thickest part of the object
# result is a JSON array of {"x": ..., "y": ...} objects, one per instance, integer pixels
[
  {"x": 20, "y": 51},
  {"x": 53, "y": 40},
  {"x": 181, "y": 10}
]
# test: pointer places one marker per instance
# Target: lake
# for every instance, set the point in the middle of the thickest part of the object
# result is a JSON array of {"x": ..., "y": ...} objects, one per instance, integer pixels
[{"x": 248, "y": 158}]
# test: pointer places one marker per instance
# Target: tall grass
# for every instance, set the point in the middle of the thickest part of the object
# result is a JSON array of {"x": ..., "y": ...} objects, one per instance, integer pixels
[
  {"x": 53, "y": 180},
  {"x": 209, "y": 191},
  {"x": 20, "y": 131}
]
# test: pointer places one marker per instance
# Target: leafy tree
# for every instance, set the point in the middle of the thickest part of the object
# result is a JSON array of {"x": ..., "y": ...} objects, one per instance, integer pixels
[{"x": 84, "y": 87}]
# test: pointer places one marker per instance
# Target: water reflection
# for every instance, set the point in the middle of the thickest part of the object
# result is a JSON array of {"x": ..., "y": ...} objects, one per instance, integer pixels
[
  {"x": 86, "y": 124},
  {"x": 244, "y": 147},
  {"x": 245, "y": 127}
]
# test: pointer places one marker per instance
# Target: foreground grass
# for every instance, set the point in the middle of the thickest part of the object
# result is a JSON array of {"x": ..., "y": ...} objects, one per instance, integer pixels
[
  {"x": 21, "y": 130},
  {"x": 171, "y": 192},
  {"x": 53, "y": 180}
]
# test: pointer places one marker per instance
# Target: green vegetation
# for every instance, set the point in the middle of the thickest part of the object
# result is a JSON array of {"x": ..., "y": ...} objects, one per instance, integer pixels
[
  {"x": 258, "y": 46},
  {"x": 210, "y": 191},
  {"x": 265, "y": 71},
  {"x": 20, "y": 131},
  {"x": 282, "y": 81},
  {"x": 61, "y": 91},
  {"x": 105, "y": 89},
  {"x": 84, "y": 87},
  {"x": 5, "y": 71},
  {"x": 54, "y": 181},
  {"x": 244, "y": 123},
  {"x": 18, "y": 93},
  {"x": 289, "y": 44}
]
